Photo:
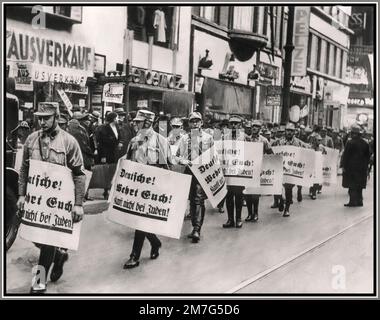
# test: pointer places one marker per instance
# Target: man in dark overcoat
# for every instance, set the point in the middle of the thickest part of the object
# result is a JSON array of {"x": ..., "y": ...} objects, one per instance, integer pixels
[{"x": 355, "y": 160}]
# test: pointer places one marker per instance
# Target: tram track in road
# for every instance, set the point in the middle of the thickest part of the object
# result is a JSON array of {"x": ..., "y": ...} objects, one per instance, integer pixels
[{"x": 266, "y": 273}]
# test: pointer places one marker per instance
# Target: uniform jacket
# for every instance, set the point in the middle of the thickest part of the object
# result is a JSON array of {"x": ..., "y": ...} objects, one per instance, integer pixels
[
  {"x": 151, "y": 148},
  {"x": 191, "y": 146},
  {"x": 59, "y": 147},
  {"x": 293, "y": 142}
]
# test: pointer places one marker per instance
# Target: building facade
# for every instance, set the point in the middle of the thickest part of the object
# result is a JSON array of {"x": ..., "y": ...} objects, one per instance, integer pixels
[
  {"x": 328, "y": 47},
  {"x": 66, "y": 50},
  {"x": 360, "y": 69},
  {"x": 236, "y": 61}
]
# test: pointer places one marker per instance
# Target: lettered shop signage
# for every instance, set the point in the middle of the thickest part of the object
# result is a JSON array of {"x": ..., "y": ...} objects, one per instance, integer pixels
[
  {"x": 53, "y": 59},
  {"x": 300, "y": 40},
  {"x": 156, "y": 78}
]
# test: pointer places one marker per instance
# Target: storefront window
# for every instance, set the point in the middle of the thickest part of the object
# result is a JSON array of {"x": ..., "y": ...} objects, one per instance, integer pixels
[{"x": 152, "y": 21}]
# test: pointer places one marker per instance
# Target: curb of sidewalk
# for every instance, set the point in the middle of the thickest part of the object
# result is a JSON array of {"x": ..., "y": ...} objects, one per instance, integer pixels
[{"x": 92, "y": 207}]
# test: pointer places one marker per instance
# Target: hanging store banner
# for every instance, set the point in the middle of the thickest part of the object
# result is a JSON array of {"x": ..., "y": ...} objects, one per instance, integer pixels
[
  {"x": 241, "y": 162},
  {"x": 271, "y": 176},
  {"x": 206, "y": 168},
  {"x": 49, "y": 201},
  {"x": 23, "y": 78},
  {"x": 142, "y": 198},
  {"x": 113, "y": 92},
  {"x": 53, "y": 59},
  {"x": 300, "y": 40},
  {"x": 298, "y": 164},
  {"x": 330, "y": 166}
]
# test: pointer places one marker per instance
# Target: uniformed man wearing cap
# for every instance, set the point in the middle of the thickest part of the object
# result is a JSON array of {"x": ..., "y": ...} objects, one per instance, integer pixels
[
  {"x": 253, "y": 199},
  {"x": 288, "y": 140},
  {"x": 152, "y": 149},
  {"x": 355, "y": 161},
  {"x": 51, "y": 144},
  {"x": 337, "y": 140},
  {"x": 234, "y": 197},
  {"x": 177, "y": 131},
  {"x": 62, "y": 121},
  {"x": 268, "y": 135},
  {"x": 190, "y": 147},
  {"x": 81, "y": 135},
  {"x": 326, "y": 140}
]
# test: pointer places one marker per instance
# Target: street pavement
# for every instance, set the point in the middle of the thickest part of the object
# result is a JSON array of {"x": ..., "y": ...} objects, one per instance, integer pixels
[{"x": 277, "y": 254}]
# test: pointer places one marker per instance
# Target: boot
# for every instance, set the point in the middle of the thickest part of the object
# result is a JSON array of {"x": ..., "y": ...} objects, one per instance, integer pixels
[
  {"x": 131, "y": 263},
  {"x": 286, "y": 212},
  {"x": 281, "y": 205},
  {"x": 255, "y": 216},
  {"x": 275, "y": 203},
  {"x": 239, "y": 223},
  {"x": 299, "y": 195},
  {"x": 249, "y": 218},
  {"x": 229, "y": 224},
  {"x": 60, "y": 258},
  {"x": 196, "y": 236}
]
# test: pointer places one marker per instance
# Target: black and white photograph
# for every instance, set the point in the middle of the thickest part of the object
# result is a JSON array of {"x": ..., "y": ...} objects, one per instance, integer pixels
[{"x": 205, "y": 149}]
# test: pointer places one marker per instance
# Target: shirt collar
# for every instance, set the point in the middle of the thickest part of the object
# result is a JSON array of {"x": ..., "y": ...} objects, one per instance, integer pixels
[{"x": 51, "y": 134}]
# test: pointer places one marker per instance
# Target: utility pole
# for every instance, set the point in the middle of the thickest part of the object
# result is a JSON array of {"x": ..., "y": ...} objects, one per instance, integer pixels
[
  {"x": 289, "y": 46},
  {"x": 126, "y": 87}
]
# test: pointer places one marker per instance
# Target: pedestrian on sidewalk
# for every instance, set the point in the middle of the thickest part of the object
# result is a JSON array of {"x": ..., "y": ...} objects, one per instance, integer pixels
[
  {"x": 234, "y": 197},
  {"x": 253, "y": 199},
  {"x": 191, "y": 146},
  {"x": 53, "y": 145},
  {"x": 150, "y": 148},
  {"x": 109, "y": 142},
  {"x": 288, "y": 140},
  {"x": 355, "y": 160}
]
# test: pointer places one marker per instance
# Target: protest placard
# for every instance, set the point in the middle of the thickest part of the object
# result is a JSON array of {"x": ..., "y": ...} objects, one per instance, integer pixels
[
  {"x": 49, "y": 201},
  {"x": 240, "y": 161},
  {"x": 209, "y": 174},
  {"x": 149, "y": 198},
  {"x": 271, "y": 176},
  {"x": 318, "y": 176},
  {"x": 298, "y": 164},
  {"x": 330, "y": 166}
]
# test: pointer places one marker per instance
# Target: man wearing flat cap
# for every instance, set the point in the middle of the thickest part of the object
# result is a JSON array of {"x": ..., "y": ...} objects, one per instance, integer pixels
[
  {"x": 355, "y": 161},
  {"x": 150, "y": 148},
  {"x": 288, "y": 140},
  {"x": 53, "y": 145},
  {"x": 190, "y": 147}
]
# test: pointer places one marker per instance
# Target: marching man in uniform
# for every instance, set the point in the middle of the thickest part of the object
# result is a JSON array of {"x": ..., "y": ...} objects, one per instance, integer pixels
[
  {"x": 288, "y": 140},
  {"x": 190, "y": 147},
  {"x": 54, "y": 145},
  {"x": 150, "y": 148},
  {"x": 253, "y": 199}
]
